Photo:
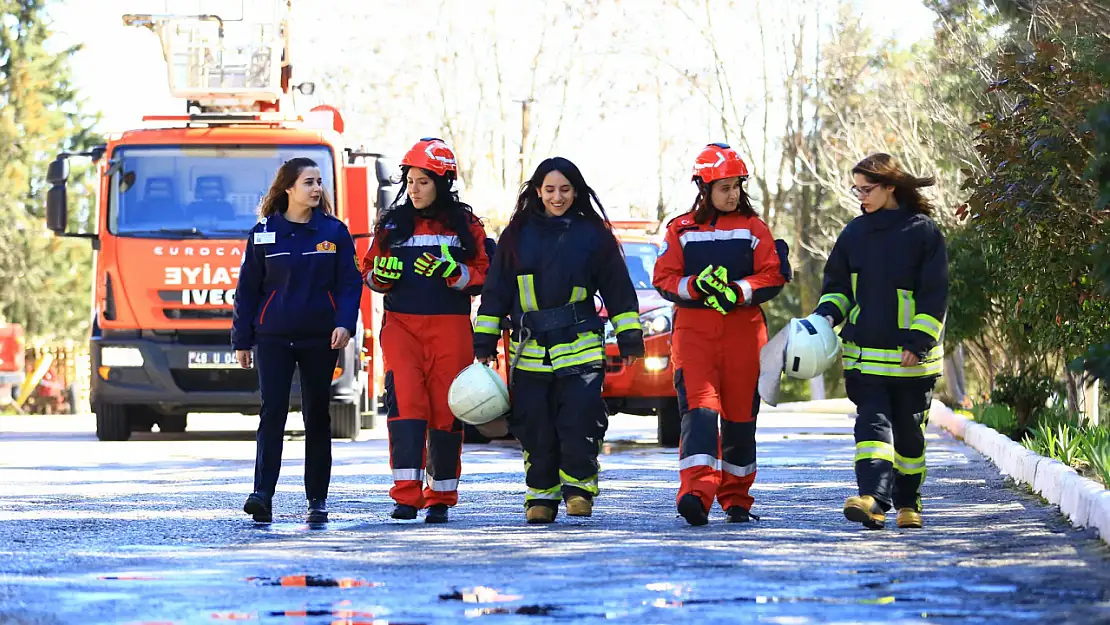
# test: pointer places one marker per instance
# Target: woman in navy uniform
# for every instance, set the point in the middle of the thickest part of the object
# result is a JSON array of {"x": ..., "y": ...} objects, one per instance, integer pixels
[
  {"x": 296, "y": 305},
  {"x": 557, "y": 252},
  {"x": 887, "y": 278}
]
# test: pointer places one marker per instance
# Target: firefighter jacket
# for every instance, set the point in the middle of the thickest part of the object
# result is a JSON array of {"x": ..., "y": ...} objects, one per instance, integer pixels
[
  {"x": 297, "y": 281},
  {"x": 887, "y": 275},
  {"x": 546, "y": 284},
  {"x": 418, "y": 294},
  {"x": 743, "y": 245}
]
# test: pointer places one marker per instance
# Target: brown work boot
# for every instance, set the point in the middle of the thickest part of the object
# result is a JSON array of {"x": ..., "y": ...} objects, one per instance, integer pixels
[
  {"x": 865, "y": 510},
  {"x": 540, "y": 514},
  {"x": 578, "y": 505},
  {"x": 908, "y": 518}
]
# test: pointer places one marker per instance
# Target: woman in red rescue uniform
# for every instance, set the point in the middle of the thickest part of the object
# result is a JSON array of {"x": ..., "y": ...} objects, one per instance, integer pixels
[
  {"x": 887, "y": 278},
  {"x": 719, "y": 263},
  {"x": 429, "y": 258},
  {"x": 296, "y": 304}
]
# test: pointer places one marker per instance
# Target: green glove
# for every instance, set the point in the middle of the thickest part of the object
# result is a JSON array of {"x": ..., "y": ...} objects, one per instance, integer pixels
[
  {"x": 431, "y": 266},
  {"x": 713, "y": 280},
  {"x": 387, "y": 269}
]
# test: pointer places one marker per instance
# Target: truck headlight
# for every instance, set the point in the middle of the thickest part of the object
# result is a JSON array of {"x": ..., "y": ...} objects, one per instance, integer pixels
[
  {"x": 121, "y": 357},
  {"x": 656, "y": 321}
]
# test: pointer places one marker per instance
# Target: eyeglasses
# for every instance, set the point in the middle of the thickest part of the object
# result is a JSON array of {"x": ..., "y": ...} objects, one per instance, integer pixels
[{"x": 862, "y": 192}]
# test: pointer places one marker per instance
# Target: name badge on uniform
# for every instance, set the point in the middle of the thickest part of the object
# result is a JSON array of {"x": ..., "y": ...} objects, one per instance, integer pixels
[{"x": 264, "y": 238}]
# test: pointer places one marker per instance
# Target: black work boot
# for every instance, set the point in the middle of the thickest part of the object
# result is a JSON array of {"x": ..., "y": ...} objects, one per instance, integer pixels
[
  {"x": 436, "y": 513},
  {"x": 691, "y": 509},
  {"x": 258, "y": 506},
  {"x": 739, "y": 514},
  {"x": 317, "y": 511},
  {"x": 403, "y": 512}
]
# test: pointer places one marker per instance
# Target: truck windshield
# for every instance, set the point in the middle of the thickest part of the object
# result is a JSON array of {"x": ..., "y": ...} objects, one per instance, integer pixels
[
  {"x": 640, "y": 258},
  {"x": 198, "y": 192}
]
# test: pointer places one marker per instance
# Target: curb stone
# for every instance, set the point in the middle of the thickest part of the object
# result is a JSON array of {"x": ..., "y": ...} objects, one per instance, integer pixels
[{"x": 1084, "y": 501}]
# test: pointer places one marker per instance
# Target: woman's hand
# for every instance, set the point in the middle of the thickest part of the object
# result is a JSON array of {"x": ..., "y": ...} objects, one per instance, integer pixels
[
  {"x": 244, "y": 358},
  {"x": 487, "y": 360},
  {"x": 628, "y": 361},
  {"x": 910, "y": 359},
  {"x": 339, "y": 338}
]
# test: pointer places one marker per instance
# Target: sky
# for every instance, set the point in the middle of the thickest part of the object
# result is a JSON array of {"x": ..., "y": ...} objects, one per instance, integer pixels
[{"x": 121, "y": 72}]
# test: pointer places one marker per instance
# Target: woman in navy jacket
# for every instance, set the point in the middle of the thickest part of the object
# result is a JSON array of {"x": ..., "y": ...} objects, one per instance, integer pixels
[{"x": 296, "y": 305}]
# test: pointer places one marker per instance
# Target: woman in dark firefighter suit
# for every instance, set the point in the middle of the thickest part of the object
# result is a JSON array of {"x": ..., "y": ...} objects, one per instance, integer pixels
[
  {"x": 556, "y": 253},
  {"x": 887, "y": 276},
  {"x": 428, "y": 257},
  {"x": 718, "y": 264},
  {"x": 296, "y": 305}
]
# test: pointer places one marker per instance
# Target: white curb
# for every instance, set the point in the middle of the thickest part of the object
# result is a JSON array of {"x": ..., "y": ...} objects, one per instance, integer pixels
[{"x": 1085, "y": 502}]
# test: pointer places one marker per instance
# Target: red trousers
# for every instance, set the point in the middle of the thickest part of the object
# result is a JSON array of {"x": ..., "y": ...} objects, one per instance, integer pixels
[
  {"x": 423, "y": 354},
  {"x": 716, "y": 368}
]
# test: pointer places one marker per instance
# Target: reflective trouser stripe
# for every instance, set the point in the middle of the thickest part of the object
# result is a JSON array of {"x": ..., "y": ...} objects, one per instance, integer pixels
[
  {"x": 874, "y": 450},
  {"x": 400, "y": 475},
  {"x": 738, "y": 471},
  {"x": 589, "y": 484},
  {"x": 700, "y": 460},
  {"x": 909, "y": 466},
  {"x": 443, "y": 485},
  {"x": 555, "y": 493}
]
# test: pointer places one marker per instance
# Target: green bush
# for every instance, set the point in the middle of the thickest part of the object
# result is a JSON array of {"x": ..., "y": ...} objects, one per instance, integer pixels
[
  {"x": 1027, "y": 394},
  {"x": 1098, "y": 457},
  {"x": 999, "y": 418}
]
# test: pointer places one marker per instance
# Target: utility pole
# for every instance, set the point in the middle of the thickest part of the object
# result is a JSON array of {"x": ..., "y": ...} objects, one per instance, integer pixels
[{"x": 525, "y": 128}]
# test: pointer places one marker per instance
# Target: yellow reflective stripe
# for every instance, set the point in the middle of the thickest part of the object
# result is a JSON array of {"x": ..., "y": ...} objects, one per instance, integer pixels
[
  {"x": 585, "y": 340},
  {"x": 589, "y": 484},
  {"x": 874, "y": 450},
  {"x": 555, "y": 493},
  {"x": 526, "y": 284},
  {"x": 906, "y": 308},
  {"x": 837, "y": 299},
  {"x": 578, "y": 294},
  {"x": 626, "y": 321},
  {"x": 531, "y": 350},
  {"x": 533, "y": 365},
  {"x": 933, "y": 367},
  {"x": 854, "y": 315},
  {"x": 855, "y": 279},
  {"x": 909, "y": 466},
  {"x": 581, "y": 358},
  {"x": 927, "y": 324},
  {"x": 484, "y": 324},
  {"x": 851, "y": 351}
]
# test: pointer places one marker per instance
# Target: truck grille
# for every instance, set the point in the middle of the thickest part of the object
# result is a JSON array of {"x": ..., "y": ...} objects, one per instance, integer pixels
[
  {"x": 194, "y": 313},
  {"x": 207, "y": 380}
]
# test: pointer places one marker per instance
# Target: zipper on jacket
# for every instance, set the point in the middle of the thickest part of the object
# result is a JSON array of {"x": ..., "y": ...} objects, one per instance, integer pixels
[
  {"x": 332, "y": 300},
  {"x": 265, "y": 306}
]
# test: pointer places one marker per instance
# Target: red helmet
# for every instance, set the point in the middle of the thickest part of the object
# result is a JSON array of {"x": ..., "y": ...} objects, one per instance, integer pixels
[
  {"x": 431, "y": 154},
  {"x": 718, "y": 161}
]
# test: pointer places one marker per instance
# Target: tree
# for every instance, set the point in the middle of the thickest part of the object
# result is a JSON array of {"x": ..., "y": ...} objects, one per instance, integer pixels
[{"x": 46, "y": 280}]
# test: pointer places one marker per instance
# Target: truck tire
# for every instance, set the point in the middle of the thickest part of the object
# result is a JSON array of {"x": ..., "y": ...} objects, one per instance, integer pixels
[
  {"x": 345, "y": 420},
  {"x": 670, "y": 422},
  {"x": 175, "y": 423},
  {"x": 112, "y": 423}
]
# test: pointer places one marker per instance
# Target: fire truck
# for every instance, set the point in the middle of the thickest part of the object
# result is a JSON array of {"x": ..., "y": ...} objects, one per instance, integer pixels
[{"x": 174, "y": 201}]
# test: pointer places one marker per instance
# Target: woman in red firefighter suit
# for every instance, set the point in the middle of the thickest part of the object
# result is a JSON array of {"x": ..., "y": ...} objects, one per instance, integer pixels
[
  {"x": 557, "y": 252},
  {"x": 887, "y": 276},
  {"x": 718, "y": 264},
  {"x": 428, "y": 257}
]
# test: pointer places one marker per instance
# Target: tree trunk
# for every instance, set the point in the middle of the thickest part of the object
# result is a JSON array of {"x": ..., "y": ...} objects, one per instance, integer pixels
[{"x": 955, "y": 377}]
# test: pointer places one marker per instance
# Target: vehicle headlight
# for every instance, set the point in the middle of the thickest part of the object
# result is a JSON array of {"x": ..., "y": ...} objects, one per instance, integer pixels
[
  {"x": 121, "y": 357},
  {"x": 656, "y": 321}
]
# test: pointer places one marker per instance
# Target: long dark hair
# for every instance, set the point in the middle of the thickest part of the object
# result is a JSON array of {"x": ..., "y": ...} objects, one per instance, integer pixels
[
  {"x": 277, "y": 200},
  {"x": 885, "y": 170},
  {"x": 530, "y": 206},
  {"x": 703, "y": 204},
  {"x": 397, "y": 223}
]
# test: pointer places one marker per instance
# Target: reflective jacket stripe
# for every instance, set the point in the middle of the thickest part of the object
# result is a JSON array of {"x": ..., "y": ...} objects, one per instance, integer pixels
[
  {"x": 430, "y": 240},
  {"x": 905, "y": 309},
  {"x": 526, "y": 284},
  {"x": 626, "y": 321},
  {"x": 487, "y": 325},
  {"x": 927, "y": 324}
]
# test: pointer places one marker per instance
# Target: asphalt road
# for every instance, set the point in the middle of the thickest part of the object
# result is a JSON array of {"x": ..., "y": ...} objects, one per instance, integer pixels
[{"x": 151, "y": 531}]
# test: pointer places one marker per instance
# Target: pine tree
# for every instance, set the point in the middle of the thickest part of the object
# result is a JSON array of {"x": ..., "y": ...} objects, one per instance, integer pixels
[{"x": 45, "y": 281}]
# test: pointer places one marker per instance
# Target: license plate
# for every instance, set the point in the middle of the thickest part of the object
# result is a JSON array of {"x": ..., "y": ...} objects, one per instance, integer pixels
[{"x": 212, "y": 360}]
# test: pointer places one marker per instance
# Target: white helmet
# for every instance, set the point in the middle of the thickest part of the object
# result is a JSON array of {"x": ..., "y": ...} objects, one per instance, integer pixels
[
  {"x": 478, "y": 395},
  {"x": 811, "y": 347}
]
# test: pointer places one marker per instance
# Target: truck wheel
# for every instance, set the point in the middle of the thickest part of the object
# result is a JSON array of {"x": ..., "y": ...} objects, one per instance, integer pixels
[
  {"x": 670, "y": 422},
  {"x": 345, "y": 420},
  {"x": 112, "y": 423},
  {"x": 173, "y": 423}
]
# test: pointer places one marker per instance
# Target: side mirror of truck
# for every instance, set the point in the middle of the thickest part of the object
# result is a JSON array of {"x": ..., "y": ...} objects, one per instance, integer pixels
[
  {"x": 58, "y": 171},
  {"x": 57, "y": 211},
  {"x": 382, "y": 171}
]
